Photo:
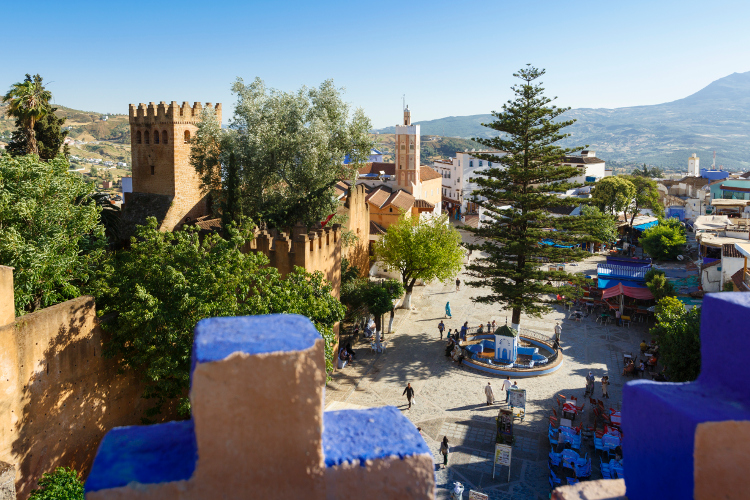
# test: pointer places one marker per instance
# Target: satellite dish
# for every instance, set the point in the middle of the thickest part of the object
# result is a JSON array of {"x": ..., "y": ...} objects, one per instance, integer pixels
[{"x": 680, "y": 258}]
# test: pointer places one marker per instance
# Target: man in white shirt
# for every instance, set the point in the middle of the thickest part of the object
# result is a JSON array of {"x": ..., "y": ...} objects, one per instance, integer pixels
[
  {"x": 558, "y": 331},
  {"x": 506, "y": 387}
]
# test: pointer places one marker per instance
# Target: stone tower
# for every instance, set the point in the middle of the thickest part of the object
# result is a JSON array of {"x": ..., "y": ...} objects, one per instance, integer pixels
[
  {"x": 160, "y": 138},
  {"x": 407, "y": 156}
]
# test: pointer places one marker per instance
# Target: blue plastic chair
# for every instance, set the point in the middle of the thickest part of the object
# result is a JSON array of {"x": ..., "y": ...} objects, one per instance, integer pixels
[
  {"x": 555, "y": 458},
  {"x": 553, "y": 479},
  {"x": 605, "y": 469},
  {"x": 599, "y": 445},
  {"x": 583, "y": 470}
]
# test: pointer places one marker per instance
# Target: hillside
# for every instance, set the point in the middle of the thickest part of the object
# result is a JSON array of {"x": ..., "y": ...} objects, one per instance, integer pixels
[
  {"x": 716, "y": 117},
  {"x": 433, "y": 147}
]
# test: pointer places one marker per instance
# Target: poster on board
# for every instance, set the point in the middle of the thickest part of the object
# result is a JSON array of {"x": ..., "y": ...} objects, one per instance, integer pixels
[
  {"x": 502, "y": 457},
  {"x": 517, "y": 398}
]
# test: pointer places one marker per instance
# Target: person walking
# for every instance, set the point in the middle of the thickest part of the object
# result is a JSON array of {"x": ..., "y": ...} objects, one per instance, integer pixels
[
  {"x": 490, "y": 395},
  {"x": 444, "y": 450},
  {"x": 590, "y": 380},
  {"x": 458, "y": 284},
  {"x": 409, "y": 394},
  {"x": 558, "y": 331},
  {"x": 605, "y": 387},
  {"x": 513, "y": 387},
  {"x": 441, "y": 327},
  {"x": 464, "y": 330},
  {"x": 448, "y": 310},
  {"x": 506, "y": 387}
]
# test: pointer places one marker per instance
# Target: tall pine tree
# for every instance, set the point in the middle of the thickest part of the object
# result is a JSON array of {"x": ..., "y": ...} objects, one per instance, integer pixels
[{"x": 519, "y": 194}]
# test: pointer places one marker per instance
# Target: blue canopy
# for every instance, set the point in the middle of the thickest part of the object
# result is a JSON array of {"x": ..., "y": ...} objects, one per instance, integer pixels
[
  {"x": 604, "y": 283},
  {"x": 643, "y": 227},
  {"x": 556, "y": 245}
]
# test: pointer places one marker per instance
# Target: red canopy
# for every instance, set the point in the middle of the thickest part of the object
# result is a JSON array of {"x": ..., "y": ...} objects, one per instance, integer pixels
[{"x": 629, "y": 291}]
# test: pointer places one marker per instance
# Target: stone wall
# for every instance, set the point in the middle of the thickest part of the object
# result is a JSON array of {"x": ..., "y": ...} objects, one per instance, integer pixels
[
  {"x": 7, "y": 481},
  {"x": 58, "y": 395},
  {"x": 358, "y": 210}
]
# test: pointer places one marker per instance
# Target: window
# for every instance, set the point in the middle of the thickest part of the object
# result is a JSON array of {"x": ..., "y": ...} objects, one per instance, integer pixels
[
  {"x": 390, "y": 210},
  {"x": 145, "y": 136},
  {"x": 187, "y": 137},
  {"x": 480, "y": 163},
  {"x": 489, "y": 163},
  {"x": 403, "y": 147},
  {"x": 156, "y": 137},
  {"x": 152, "y": 170},
  {"x": 138, "y": 137},
  {"x": 471, "y": 163},
  {"x": 411, "y": 146},
  {"x": 164, "y": 137}
]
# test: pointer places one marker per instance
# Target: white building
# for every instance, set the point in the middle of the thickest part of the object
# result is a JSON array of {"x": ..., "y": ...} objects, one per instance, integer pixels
[
  {"x": 591, "y": 168},
  {"x": 456, "y": 173},
  {"x": 694, "y": 166}
]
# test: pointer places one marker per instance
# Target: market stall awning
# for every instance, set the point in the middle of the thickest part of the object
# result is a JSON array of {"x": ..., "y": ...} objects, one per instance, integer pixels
[
  {"x": 645, "y": 225},
  {"x": 604, "y": 283},
  {"x": 628, "y": 291}
]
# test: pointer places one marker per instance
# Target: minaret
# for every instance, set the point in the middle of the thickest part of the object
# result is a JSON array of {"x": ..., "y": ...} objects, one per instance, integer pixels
[{"x": 408, "y": 156}]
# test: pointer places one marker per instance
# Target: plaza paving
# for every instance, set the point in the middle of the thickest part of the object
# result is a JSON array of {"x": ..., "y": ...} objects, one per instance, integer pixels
[{"x": 450, "y": 398}]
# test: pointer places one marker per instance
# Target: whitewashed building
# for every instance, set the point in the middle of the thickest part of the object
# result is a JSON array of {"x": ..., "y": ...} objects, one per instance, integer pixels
[{"x": 591, "y": 168}]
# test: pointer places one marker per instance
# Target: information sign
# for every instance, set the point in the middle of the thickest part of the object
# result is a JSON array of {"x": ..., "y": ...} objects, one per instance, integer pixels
[
  {"x": 502, "y": 457},
  {"x": 517, "y": 398}
]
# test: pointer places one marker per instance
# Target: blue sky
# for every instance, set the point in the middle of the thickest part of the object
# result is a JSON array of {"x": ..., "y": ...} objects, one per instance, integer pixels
[{"x": 449, "y": 58}]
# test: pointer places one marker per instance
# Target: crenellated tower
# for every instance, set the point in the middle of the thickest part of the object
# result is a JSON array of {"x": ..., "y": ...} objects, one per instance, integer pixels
[
  {"x": 160, "y": 138},
  {"x": 408, "y": 158}
]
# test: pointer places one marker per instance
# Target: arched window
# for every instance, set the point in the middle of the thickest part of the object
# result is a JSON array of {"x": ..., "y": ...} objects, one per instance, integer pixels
[
  {"x": 480, "y": 163},
  {"x": 145, "y": 136},
  {"x": 489, "y": 163},
  {"x": 164, "y": 137},
  {"x": 471, "y": 163},
  {"x": 187, "y": 137},
  {"x": 156, "y": 137},
  {"x": 138, "y": 137}
]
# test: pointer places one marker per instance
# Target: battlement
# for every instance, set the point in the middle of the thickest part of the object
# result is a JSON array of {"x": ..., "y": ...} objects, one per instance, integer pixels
[
  {"x": 317, "y": 250},
  {"x": 146, "y": 114}
]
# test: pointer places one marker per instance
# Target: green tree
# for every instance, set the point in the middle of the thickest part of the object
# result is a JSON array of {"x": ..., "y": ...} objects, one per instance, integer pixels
[
  {"x": 63, "y": 484},
  {"x": 28, "y": 102},
  {"x": 613, "y": 194},
  {"x": 49, "y": 135},
  {"x": 421, "y": 249},
  {"x": 288, "y": 150},
  {"x": 53, "y": 241},
  {"x": 517, "y": 194},
  {"x": 664, "y": 241},
  {"x": 363, "y": 296},
  {"x": 659, "y": 285},
  {"x": 677, "y": 332},
  {"x": 156, "y": 292},
  {"x": 653, "y": 172},
  {"x": 646, "y": 195},
  {"x": 602, "y": 227}
]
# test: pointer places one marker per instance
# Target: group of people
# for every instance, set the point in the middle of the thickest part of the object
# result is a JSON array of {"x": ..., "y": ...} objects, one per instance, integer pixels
[
  {"x": 346, "y": 353},
  {"x": 453, "y": 349},
  {"x": 506, "y": 386},
  {"x": 591, "y": 383},
  {"x": 461, "y": 334}
]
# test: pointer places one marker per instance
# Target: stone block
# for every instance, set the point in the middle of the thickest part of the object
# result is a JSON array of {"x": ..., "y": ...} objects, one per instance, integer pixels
[{"x": 7, "y": 481}]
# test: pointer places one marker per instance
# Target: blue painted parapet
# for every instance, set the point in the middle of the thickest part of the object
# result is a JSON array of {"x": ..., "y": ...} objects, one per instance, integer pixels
[
  {"x": 660, "y": 421},
  {"x": 258, "y": 429}
]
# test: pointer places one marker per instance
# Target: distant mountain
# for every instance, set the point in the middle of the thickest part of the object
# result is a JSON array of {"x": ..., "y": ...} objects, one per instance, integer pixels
[{"x": 716, "y": 117}]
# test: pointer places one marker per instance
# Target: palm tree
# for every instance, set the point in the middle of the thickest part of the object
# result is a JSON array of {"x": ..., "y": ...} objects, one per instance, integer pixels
[{"x": 28, "y": 101}]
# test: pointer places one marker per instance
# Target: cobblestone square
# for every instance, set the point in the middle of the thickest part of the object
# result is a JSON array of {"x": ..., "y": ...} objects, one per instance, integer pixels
[{"x": 450, "y": 398}]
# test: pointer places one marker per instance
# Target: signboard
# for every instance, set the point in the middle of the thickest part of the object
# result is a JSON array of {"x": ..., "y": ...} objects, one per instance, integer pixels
[
  {"x": 505, "y": 426},
  {"x": 475, "y": 495},
  {"x": 517, "y": 398},
  {"x": 502, "y": 457}
]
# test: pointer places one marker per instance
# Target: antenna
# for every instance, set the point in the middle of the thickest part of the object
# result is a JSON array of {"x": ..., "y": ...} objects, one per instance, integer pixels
[{"x": 713, "y": 165}]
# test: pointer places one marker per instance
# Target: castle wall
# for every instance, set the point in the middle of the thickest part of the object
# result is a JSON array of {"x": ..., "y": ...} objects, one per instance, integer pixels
[
  {"x": 160, "y": 146},
  {"x": 358, "y": 210},
  {"x": 58, "y": 395}
]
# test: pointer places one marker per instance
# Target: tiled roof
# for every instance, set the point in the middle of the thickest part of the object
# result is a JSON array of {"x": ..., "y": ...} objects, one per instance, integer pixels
[
  {"x": 710, "y": 264},
  {"x": 377, "y": 167},
  {"x": 342, "y": 188},
  {"x": 427, "y": 174},
  {"x": 746, "y": 175},
  {"x": 738, "y": 281},
  {"x": 376, "y": 228},
  {"x": 451, "y": 200},
  {"x": 582, "y": 159},
  {"x": 472, "y": 221},
  {"x": 728, "y": 250},
  {"x": 423, "y": 204},
  {"x": 207, "y": 224},
  {"x": 400, "y": 199},
  {"x": 379, "y": 196},
  {"x": 695, "y": 181}
]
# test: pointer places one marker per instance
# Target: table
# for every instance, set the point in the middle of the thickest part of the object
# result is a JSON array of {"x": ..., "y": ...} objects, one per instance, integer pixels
[
  {"x": 570, "y": 409},
  {"x": 616, "y": 418},
  {"x": 564, "y": 422}
]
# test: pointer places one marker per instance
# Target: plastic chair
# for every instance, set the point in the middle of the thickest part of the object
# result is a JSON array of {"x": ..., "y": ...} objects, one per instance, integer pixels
[
  {"x": 605, "y": 469},
  {"x": 599, "y": 445},
  {"x": 553, "y": 479},
  {"x": 555, "y": 458},
  {"x": 583, "y": 470}
]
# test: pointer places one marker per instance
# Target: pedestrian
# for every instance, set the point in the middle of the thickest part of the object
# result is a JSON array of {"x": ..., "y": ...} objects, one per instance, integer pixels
[
  {"x": 409, "y": 394},
  {"x": 464, "y": 330},
  {"x": 419, "y": 430},
  {"x": 589, "y": 384},
  {"x": 441, "y": 327},
  {"x": 444, "y": 450},
  {"x": 458, "y": 284},
  {"x": 490, "y": 395},
  {"x": 617, "y": 316},
  {"x": 448, "y": 310},
  {"x": 558, "y": 331},
  {"x": 493, "y": 325},
  {"x": 506, "y": 388},
  {"x": 489, "y": 328},
  {"x": 605, "y": 387},
  {"x": 513, "y": 387},
  {"x": 449, "y": 333}
]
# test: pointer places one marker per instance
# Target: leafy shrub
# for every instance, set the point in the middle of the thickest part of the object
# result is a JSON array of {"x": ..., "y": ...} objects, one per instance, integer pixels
[
  {"x": 63, "y": 484},
  {"x": 664, "y": 241}
]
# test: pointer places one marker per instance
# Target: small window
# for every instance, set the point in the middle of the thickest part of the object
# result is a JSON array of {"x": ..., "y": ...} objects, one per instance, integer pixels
[
  {"x": 471, "y": 163},
  {"x": 187, "y": 137},
  {"x": 145, "y": 137},
  {"x": 403, "y": 146},
  {"x": 411, "y": 146},
  {"x": 480, "y": 163},
  {"x": 390, "y": 210},
  {"x": 156, "y": 137},
  {"x": 489, "y": 163},
  {"x": 164, "y": 137},
  {"x": 152, "y": 170},
  {"x": 138, "y": 137}
]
